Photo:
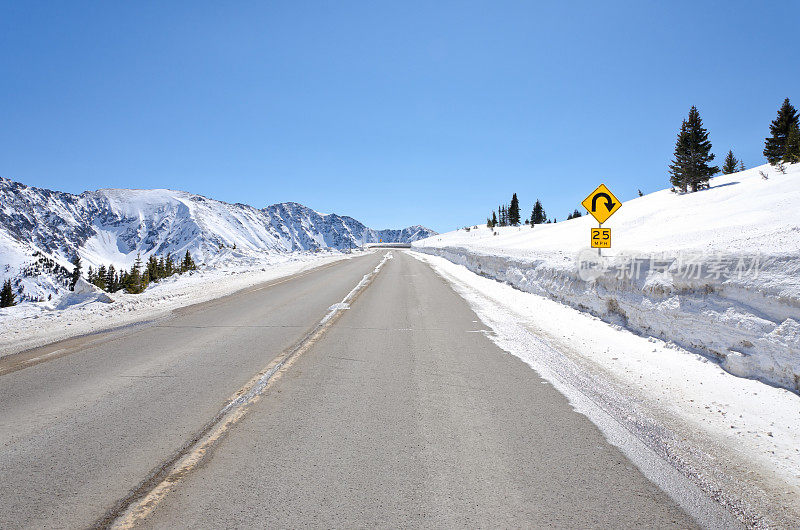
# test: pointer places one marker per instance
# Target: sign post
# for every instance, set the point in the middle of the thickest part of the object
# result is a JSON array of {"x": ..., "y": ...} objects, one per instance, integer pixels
[{"x": 602, "y": 204}]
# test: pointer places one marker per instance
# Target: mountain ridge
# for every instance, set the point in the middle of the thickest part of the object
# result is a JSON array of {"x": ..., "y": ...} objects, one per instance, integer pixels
[{"x": 114, "y": 225}]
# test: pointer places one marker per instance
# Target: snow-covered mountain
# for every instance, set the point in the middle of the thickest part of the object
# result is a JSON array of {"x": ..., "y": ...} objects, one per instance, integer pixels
[{"x": 112, "y": 226}]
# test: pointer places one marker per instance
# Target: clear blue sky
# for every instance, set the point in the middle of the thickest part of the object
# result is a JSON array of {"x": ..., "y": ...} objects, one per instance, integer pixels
[{"x": 395, "y": 113}]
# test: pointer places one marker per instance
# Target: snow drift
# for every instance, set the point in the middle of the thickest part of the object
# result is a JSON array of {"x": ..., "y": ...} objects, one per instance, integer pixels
[{"x": 716, "y": 271}]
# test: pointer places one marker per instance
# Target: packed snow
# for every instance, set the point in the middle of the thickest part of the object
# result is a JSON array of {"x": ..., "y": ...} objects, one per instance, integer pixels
[
  {"x": 738, "y": 439},
  {"x": 716, "y": 271}
]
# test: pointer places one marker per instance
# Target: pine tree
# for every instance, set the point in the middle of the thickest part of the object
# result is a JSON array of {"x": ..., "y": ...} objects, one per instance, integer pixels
[
  {"x": 574, "y": 215},
  {"x": 152, "y": 268},
  {"x": 494, "y": 220},
  {"x": 775, "y": 147},
  {"x": 640, "y": 194},
  {"x": 76, "y": 271},
  {"x": 690, "y": 169},
  {"x": 513, "y": 211},
  {"x": 792, "y": 155},
  {"x": 502, "y": 215},
  {"x": 188, "y": 263},
  {"x": 730, "y": 163},
  {"x": 133, "y": 282},
  {"x": 741, "y": 166},
  {"x": 111, "y": 279},
  {"x": 7, "y": 296},
  {"x": 100, "y": 278},
  {"x": 538, "y": 216}
]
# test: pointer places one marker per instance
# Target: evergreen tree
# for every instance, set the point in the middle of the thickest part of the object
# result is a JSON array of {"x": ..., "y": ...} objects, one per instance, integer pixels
[
  {"x": 513, "y": 211},
  {"x": 7, "y": 296},
  {"x": 76, "y": 271},
  {"x": 188, "y": 263},
  {"x": 494, "y": 220},
  {"x": 775, "y": 147},
  {"x": 730, "y": 163},
  {"x": 152, "y": 268},
  {"x": 133, "y": 282},
  {"x": 538, "y": 216},
  {"x": 640, "y": 193},
  {"x": 111, "y": 279},
  {"x": 574, "y": 215},
  {"x": 690, "y": 169},
  {"x": 792, "y": 155},
  {"x": 100, "y": 278},
  {"x": 741, "y": 166}
]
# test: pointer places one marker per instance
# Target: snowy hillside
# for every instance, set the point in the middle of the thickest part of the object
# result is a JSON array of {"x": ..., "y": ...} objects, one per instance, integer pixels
[
  {"x": 112, "y": 226},
  {"x": 741, "y": 212},
  {"x": 716, "y": 271}
]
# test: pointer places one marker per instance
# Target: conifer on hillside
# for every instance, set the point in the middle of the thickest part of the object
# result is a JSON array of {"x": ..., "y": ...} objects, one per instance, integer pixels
[
  {"x": 690, "y": 169},
  {"x": 100, "y": 277},
  {"x": 7, "y": 296},
  {"x": 730, "y": 163},
  {"x": 513, "y": 211},
  {"x": 133, "y": 281},
  {"x": 792, "y": 155},
  {"x": 574, "y": 215},
  {"x": 76, "y": 271},
  {"x": 538, "y": 215},
  {"x": 112, "y": 284},
  {"x": 777, "y": 147},
  {"x": 188, "y": 263}
]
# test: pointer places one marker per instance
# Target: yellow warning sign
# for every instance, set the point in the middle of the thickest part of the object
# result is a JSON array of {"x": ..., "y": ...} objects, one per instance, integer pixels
[
  {"x": 601, "y": 203},
  {"x": 601, "y": 238}
]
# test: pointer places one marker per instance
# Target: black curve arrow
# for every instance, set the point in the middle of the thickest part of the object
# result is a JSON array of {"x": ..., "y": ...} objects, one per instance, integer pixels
[{"x": 609, "y": 203}]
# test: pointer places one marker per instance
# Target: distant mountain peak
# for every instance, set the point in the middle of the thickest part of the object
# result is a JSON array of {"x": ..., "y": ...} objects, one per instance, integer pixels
[{"x": 113, "y": 225}]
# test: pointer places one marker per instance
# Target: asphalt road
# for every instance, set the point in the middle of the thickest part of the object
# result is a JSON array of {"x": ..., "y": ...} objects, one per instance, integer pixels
[{"x": 398, "y": 411}]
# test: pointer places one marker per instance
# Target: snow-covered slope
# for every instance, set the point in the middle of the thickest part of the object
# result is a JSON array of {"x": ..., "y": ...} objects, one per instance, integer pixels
[
  {"x": 716, "y": 271},
  {"x": 114, "y": 224}
]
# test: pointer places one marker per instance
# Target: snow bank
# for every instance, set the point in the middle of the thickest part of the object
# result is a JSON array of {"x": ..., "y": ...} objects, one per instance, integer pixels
[
  {"x": 88, "y": 310},
  {"x": 84, "y": 293},
  {"x": 735, "y": 438},
  {"x": 717, "y": 271}
]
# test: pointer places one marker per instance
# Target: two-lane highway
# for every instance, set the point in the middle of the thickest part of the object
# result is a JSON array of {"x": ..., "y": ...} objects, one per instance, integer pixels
[
  {"x": 401, "y": 412},
  {"x": 78, "y": 432}
]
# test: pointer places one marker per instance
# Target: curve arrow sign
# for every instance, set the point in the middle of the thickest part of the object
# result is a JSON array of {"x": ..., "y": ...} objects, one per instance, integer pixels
[
  {"x": 609, "y": 202},
  {"x": 600, "y": 197}
]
